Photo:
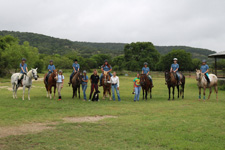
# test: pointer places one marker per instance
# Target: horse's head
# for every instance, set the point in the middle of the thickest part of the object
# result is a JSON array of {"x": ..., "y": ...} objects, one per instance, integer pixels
[
  {"x": 55, "y": 74},
  {"x": 167, "y": 76},
  {"x": 143, "y": 79},
  {"x": 79, "y": 77},
  {"x": 198, "y": 75},
  {"x": 34, "y": 73},
  {"x": 106, "y": 77}
]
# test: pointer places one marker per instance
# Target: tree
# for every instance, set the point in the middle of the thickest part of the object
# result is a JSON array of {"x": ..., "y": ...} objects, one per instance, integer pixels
[
  {"x": 184, "y": 60},
  {"x": 135, "y": 54},
  {"x": 118, "y": 63}
]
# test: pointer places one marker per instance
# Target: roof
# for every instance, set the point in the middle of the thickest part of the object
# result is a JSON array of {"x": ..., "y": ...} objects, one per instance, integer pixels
[{"x": 217, "y": 55}]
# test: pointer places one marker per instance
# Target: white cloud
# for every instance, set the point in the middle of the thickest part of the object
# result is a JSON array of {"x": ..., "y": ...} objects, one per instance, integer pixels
[{"x": 164, "y": 22}]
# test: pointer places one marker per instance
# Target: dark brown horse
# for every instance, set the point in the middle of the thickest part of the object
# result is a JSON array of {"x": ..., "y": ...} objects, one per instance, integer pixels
[
  {"x": 51, "y": 83},
  {"x": 106, "y": 85},
  {"x": 146, "y": 85},
  {"x": 76, "y": 82},
  {"x": 171, "y": 81}
]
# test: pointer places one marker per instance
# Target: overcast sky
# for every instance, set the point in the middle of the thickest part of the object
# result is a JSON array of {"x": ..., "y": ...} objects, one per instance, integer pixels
[{"x": 197, "y": 23}]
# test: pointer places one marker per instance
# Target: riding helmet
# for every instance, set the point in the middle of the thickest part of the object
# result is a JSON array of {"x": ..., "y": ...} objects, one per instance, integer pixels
[
  {"x": 60, "y": 71},
  {"x": 23, "y": 59},
  {"x": 204, "y": 61},
  {"x": 145, "y": 63},
  {"x": 75, "y": 59},
  {"x": 106, "y": 60},
  {"x": 50, "y": 60},
  {"x": 84, "y": 71},
  {"x": 175, "y": 59}
]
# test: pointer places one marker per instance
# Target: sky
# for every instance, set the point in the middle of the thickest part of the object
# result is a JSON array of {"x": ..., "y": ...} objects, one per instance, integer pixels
[{"x": 196, "y": 23}]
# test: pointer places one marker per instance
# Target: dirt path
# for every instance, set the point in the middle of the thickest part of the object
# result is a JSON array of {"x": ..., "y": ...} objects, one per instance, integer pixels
[{"x": 39, "y": 127}]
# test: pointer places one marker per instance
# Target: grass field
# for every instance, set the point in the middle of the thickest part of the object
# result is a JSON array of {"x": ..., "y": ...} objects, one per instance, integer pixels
[{"x": 153, "y": 124}]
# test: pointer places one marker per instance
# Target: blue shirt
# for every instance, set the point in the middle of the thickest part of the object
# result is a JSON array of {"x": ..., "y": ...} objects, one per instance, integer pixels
[
  {"x": 85, "y": 83},
  {"x": 51, "y": 67},
  {"x": 76, "y": 66},
  {"x": 145, "y": 70},
  {"x": 106, "y": 68},
  {"x": 175, "y": 66},
  {"x": 204, "y": 68},
  {"x": 24, "y": 68}
]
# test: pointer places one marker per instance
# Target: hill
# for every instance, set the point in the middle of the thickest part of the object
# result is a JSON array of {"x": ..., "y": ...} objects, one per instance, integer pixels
[{"x": 52, "y": 45}]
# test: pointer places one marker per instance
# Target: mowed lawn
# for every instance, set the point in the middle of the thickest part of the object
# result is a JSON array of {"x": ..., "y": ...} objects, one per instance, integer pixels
[{"x": 152, "y": 124}]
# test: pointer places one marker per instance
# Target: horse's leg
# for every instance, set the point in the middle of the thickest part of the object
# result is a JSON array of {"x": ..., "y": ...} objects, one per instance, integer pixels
[
  {"x": 173, "y": 92},
  {"x": 210, "y": 91},
  {"x": 110, "y": 97},
  {"x": 16, "y": 88},
  {"x": 178, "y": 91},
  {"x": 216, "y": 90},
  {"x": 13, "y": 90},
  {"x": 50, "y": 91},
  {"x": 103, "y": 94},
  {"x": 23, "y": 91},
  {"x": 204, "y": 93},
  {"x": 143, "y": 93},
  {"x": 54, "y": 92},
  {"x": 146, "y": 94},
  {"x": 150, "y": 93},
  {"x": 79, "y": 91},
  {"x": 29, "y": 93},
  {"x": 199, "y": 97},
  {"x": 76, "y": 91},
  {"x": 73, "y": 92},
  {"x": 46, "y": 89},
  {"x": 182, "y": 91},
  {"x": 169, "y": 92}
]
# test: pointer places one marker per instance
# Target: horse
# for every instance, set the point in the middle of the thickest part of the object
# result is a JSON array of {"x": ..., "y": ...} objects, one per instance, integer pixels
[
  {"x": 106, "y": 85},
  {"x": 51, "y": 83},
  {"x": 76, "y": 82},
  {"x": 202, "y": 83},
  {"x": 26, "y": 82},
  {"x": 146, "y": 85},
  {"x": 171, "y": 81}
]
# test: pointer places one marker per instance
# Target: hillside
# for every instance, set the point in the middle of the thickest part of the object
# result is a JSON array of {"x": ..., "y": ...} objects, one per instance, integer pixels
[{"x": 51, "y": 45}]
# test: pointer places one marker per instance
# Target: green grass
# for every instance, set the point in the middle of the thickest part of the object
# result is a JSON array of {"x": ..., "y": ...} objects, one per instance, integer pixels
[{"x": 152, "y": 124}]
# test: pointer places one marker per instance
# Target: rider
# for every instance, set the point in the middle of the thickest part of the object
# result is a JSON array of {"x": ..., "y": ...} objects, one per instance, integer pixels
[
  {"x": 51, "y": 68},
  {"x": 205, "y": 69},
  {"x": 106, "y": 67},
  {"x": 76, "y": 68},
  {"x": 23, "y": 70},
  {"x": 145, "y": 70},
  {"x": 174, "y": 68}
]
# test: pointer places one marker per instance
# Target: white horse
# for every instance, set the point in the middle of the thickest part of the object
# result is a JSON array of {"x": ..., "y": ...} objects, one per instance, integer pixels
[
  {"x": 27, "y": 82},
  {"x": 202, "y": 83}
]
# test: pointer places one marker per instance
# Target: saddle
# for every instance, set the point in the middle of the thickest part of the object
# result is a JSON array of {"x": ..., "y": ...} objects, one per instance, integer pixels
[{"x": 206, "y": 78}]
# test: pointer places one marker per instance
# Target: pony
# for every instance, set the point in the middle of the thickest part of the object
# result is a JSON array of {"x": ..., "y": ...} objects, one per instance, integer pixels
[
  {"x": 76, "y": 82},
  {"x": 171, "y": 81},
  {"x": 26, "y": 82},
  {"x": 146, "y": 85},
  {"x": 202, "y": 83},
  {"x": 106, "y": 85},
  {"x": 51, "y": 83}
]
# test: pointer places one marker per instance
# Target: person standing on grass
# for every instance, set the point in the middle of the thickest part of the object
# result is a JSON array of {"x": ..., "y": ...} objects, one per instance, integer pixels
[
  {"x": 59, "y": 84},
  {"x": 94, "y": 79},
  {"x": 137, "y": 87},
  {"x": 76, "y": 68},
  {"x": 23, "y": 70},
  {"x": 84, "y": 84},
  {"x": 114, "y": 80}
]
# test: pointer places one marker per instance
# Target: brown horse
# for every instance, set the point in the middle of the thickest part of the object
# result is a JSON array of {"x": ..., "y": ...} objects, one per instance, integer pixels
[
  {"x": 146, "y": 85},
  {"x": 51, "y": 83},
  {"x": 76, "y": 82},
  {"x": 106, "y": 85},
  {"x": 171, "y": 81}
]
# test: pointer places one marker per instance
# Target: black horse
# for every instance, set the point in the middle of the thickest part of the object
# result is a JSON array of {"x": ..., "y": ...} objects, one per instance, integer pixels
[{"x": 172, "y": 81}]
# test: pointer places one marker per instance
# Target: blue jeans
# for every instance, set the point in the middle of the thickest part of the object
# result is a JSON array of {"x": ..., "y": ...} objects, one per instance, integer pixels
[
  {"x": 71, "y": 76},
  {"x": 84, "y": 88},
  {"x": 137, "y": 93},
  {"x": 178, "y": 76},
  {"x": 114, "y": 87},
  {"x": 102, "y": 76}
]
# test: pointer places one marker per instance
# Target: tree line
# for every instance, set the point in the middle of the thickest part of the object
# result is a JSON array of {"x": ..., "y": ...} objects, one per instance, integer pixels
[{"x": 132, "y": 59}]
